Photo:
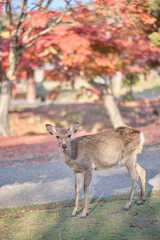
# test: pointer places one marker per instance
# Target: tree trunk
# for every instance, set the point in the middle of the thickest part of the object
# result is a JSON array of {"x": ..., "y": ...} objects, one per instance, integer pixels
[
  {"x": 117, "y": 83},
  {"x": 31, "y": 87},
  {"x": 4, "y": 106},
  {"x": 113, "y": 111}
]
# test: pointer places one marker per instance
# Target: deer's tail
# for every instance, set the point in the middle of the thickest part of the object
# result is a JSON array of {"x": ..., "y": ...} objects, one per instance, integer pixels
[{"x": 142, "y": 141}]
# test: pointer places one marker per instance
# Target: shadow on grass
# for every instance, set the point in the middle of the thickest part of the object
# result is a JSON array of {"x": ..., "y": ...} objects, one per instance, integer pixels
[{"x": 109, "y": 222}]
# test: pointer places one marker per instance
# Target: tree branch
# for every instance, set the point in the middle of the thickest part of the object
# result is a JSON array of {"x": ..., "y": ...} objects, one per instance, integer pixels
[
  {"x": 101, "y": 87},
  {"x": 43, "y": 32},
  {"x": 9, "y": 12},
  {"x": 47, "y": 4},
  {"x": 21, "y": 18},
  {"x": 40, "y": 3}
]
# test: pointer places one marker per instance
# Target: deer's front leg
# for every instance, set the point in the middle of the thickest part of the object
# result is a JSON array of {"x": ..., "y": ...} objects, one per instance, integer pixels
[
  {"x": 87, "y": 181},
  {"x": 78, "y": 183}
]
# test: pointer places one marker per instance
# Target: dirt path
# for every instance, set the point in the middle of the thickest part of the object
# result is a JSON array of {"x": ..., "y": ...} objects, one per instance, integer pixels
[{"x": 52, "y": 180}]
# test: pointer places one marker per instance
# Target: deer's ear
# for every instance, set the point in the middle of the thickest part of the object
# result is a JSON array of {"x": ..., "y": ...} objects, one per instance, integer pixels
[
  {"x": 51, "y": 129},
  {"x": 74, "y": 127}
]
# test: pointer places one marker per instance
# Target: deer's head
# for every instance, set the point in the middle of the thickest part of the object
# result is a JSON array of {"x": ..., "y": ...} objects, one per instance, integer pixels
[{"x": 63, "y": 135}]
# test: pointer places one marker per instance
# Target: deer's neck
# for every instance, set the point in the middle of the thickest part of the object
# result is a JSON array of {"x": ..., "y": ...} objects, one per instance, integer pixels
[{"x": 66, "y": 156}]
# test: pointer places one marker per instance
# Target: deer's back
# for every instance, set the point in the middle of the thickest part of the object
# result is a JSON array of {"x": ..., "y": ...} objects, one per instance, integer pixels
[{"x": 105, "y": 149}]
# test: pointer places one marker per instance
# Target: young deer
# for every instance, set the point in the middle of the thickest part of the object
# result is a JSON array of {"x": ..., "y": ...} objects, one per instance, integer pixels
[{"x": 100, "y": 151}]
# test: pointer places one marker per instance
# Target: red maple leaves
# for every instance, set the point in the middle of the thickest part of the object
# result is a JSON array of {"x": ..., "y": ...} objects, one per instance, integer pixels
[{"x": 99, "y": 38}]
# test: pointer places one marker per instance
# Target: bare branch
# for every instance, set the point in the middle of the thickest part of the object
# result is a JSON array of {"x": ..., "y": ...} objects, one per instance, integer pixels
[
  {"x": 40, "y": 4},
  {"x": 21, "y": 18},
  {"x": 47, "y": 4},
  {"x": 9, "y": 12},
  {"x": 33, "y": 39}
]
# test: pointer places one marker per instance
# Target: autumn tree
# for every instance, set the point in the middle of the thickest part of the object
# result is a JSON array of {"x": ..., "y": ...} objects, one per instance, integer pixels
[
  {"x": 102, "y": 38},
  {"x": 117, "y": 36},
  {"x": 19, "y": 47}
]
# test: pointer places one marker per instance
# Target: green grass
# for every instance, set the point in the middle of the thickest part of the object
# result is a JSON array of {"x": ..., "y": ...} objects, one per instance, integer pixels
[
  {"x": 105, "y": 220},
  {"x": 147, "y": 87}
]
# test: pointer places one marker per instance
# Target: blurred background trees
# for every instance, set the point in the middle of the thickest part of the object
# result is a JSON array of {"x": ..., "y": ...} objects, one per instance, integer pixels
[
  {"x": 101, "y": 42},
  {"x": 18, "y": 48}
]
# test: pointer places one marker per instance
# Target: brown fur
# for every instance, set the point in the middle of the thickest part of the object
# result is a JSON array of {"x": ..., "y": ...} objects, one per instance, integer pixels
[
  {"x": 100, "y": 151},
  {"x": 128, "y": 137}
]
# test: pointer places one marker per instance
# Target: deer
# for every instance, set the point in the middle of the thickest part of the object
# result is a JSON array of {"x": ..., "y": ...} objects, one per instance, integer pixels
[{"x": 98, "y": 151}]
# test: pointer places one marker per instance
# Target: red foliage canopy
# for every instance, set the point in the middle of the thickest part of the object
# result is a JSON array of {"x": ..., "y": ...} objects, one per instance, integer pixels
[{"x": 99, "y": 38}]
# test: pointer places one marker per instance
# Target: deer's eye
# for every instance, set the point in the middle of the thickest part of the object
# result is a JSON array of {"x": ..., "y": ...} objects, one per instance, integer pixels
[
  {"x": 69, "y": 136},
  {"x": 57, "y": 136}
]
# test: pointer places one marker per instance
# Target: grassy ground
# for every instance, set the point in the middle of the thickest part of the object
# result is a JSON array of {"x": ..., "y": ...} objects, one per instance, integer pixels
[
  {"x": 147, "y": 88},
  {"x": 105, "y": 220}
]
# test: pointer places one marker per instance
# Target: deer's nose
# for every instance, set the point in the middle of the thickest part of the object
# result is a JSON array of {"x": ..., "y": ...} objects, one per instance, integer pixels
[{"x": 64, "y": 146}]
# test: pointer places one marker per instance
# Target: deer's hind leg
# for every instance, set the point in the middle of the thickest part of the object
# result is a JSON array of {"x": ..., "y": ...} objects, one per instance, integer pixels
[
  {"x": 87, "y": 181},
  {"x": 142, "y": 176},
  {"x": 130, "y": 164}
]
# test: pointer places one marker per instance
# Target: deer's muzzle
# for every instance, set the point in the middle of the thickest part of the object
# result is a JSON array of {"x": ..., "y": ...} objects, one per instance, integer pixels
[{"x": 64, "y": 146}]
